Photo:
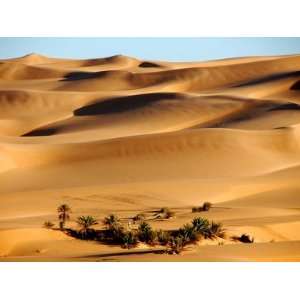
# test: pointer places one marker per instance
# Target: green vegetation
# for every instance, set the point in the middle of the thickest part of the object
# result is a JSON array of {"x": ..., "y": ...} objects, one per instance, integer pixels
[
  {"x": 63, "y": 215},
  {"x": 174, "y": 240},
  {"x": 200, "y": 228},
  {"x": 48, "y": 225},
  {"x": 188, "y": 233},
  {"x": 146, "y": 234},
  {"x": 176, "y": 245},
  {"x": 163, "y": 237},
  {"x": 216, "y": 230},
  {"x": 111, "y": 221},
  {"x": 85, "y": 222},
  {"x": 129, "y": 239}
]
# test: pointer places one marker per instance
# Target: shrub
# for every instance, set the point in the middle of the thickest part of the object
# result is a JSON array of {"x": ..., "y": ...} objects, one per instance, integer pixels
[
  {"x": 146, "y": 234},
  {"x": 201, "y": 226},
  {"x": 176, "y": 245},
  {"x": 245, "y": 238},
  {"x": 196, "y": 209},
  {"x": 129, "y": 239},
  {"x": 48, "y": 225},
  {"x": 206, "y": 206},
  {"x": 189, "y": 233},
  {"x": 163, "y": 237},
  {"x": 216, "y": 230}
]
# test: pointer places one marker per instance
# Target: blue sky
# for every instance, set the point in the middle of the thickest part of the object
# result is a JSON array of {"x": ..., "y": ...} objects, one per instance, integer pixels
[{"x": 173, "y": 49}]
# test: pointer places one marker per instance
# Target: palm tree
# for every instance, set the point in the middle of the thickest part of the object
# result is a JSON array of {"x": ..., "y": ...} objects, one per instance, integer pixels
[
  {"x": 216, "y": 230},
  {"x": 48, "y": 224},
  {"x": 202, "y": 226},
  {"x": 114, "y": 227},
  {"x": 64, "y": 211},
  {"x": 129, "y": 239},
  {"x": 85, "y": 222},
  {"x": 189, "y": 233},
  {"x": 111, "y": 221},
  {"x": 146, "y": 234}
]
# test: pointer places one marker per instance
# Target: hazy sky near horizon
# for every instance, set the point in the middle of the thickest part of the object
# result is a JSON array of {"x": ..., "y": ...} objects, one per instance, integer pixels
[{"x": 173, "y": 49}]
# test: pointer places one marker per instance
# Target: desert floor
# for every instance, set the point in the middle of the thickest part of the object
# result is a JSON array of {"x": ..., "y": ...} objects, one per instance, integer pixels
[{"x": 124, "y": 136}]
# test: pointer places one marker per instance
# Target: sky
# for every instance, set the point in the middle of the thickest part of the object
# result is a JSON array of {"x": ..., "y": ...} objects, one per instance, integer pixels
[{"x": 172, "y": 49}]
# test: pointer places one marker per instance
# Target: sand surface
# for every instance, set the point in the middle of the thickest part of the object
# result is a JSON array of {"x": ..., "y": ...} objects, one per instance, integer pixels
[{"x": 121, "y": 135}]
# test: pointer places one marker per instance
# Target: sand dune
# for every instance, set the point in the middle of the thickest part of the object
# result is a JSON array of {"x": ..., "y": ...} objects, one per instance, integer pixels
[{"x": 123, "y": 135}]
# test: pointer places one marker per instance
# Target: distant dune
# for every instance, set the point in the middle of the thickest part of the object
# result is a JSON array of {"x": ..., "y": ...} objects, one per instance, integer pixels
[{"x": 123, "y": 135}]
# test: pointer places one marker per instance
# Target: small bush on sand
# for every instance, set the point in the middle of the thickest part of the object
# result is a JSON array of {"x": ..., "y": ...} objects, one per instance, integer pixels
[
  {"x": 205, "y": 207},
  {"x": 216, "y": 230},
  {"x": 189, "y": 233},
  {"x": 129, "y": 239},
  {"x": 139, "y": 218},
  {"x": 201, "y": 226},
  {"x": 48, "y": 225},
  {"x": 245, "y": 238},
  {"x": 146, "y": 234},
  {"x": 196, "y": 209},
  {"x": 163, "y": 237}
]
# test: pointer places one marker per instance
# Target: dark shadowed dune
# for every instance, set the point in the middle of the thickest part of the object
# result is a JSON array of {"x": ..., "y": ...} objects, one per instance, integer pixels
[
  {"x": 287, "y": 106},
  {"x": 121, "y": 104},
  {"x": 148, "y": 64},
  {"x": 41, "y": 132},
  {"x": 296, "y": 86},
  {"x": 269, "y": 78}
]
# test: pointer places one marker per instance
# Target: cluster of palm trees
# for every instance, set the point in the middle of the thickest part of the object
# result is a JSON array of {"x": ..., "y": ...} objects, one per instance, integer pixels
[
  {"x": 199, "y": 228},
  {"x": 64, "y": 211},
  {"x": 173, "y": 240}
]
